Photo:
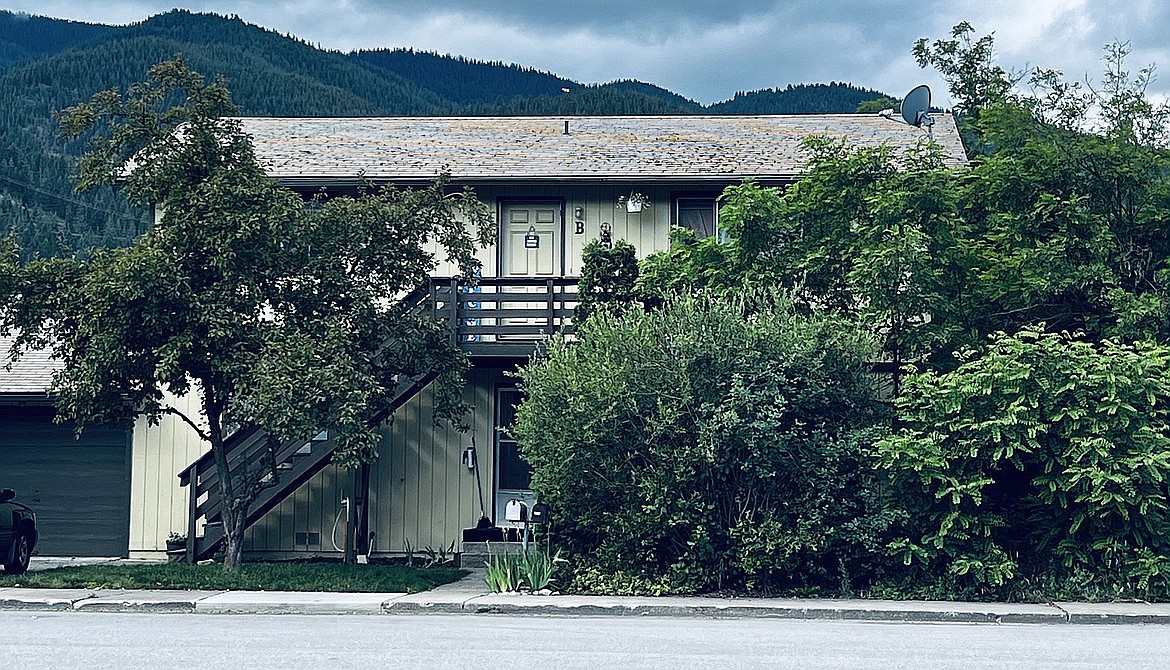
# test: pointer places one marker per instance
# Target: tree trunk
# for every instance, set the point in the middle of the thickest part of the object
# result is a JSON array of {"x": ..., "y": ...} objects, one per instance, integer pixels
[
  {"x": 233, "y": 510},
  {"x": 233, "y": 504},
  {"x": 234, "y": 518}
]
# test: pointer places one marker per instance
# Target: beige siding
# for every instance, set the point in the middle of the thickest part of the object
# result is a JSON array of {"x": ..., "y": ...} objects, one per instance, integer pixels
[
  {"x": 648, "y": 230},
  {"x": 420, "y": 491},
  {"x": 312, "y": 509},
  {"x": 158, "y": 505}
]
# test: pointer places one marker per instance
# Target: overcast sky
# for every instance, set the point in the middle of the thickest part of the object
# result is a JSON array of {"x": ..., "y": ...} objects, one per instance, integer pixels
[{"x": 705, "y": 50}]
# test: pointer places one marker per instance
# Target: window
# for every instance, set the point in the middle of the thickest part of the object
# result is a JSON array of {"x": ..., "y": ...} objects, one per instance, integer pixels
[
  {"x": 699, "y": 214},
  {"x": 512, "y": 472}
]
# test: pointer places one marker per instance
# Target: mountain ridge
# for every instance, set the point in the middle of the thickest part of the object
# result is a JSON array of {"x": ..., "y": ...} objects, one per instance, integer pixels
[{"x": 48, "y": 64}]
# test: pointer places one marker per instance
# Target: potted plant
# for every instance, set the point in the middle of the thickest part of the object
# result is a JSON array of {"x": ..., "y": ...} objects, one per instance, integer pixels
[
  {"x": 634, "y": 202},
  {"x": 176, "y": 541}
]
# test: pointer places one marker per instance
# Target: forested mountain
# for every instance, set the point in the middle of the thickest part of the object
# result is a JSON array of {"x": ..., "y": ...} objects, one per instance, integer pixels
[
  {"x": 464, "y": 81},
  {"x": 49, "y": 64},
  {"x": 24, "y": 37},
  {"x": 832, "y": 98}
]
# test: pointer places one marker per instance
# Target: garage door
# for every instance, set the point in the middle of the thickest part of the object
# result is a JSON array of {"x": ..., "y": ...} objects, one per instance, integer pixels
[{"x": 79, "y": 488}]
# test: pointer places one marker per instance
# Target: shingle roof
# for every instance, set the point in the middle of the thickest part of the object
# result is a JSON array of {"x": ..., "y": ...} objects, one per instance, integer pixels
[
  {"x": 31, "y": 374},
  {"x": 606, "y": 148}
]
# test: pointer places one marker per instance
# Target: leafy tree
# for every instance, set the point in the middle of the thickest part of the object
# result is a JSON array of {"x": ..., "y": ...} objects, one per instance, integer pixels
[
  {"x": 749, "y": 217},
  {"x": 277, "y": 315},
  {"x": 870, "y": 234},
  {"x": 968, "y": 64},
  {"x": 1068, "y": 214}
]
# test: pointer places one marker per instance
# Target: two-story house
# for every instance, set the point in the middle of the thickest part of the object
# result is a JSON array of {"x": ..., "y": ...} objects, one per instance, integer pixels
[{"x": 555, "y": 183}]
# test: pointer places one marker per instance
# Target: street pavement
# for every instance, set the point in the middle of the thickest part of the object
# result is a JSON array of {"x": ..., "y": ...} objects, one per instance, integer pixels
[{"x": 471, "y": 596}]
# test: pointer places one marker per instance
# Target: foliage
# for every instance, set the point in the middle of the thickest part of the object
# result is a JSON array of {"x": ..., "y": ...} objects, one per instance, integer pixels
[
  {"x": 532, "y": 569},
  {"x": 464, "y": 80},
  {"x": 316, "y": 576},
  {"x": 717, "y": 442},
  {"x": 436, "y": 556},
  {"x": 276, "y": 314},
  {"x": 608, "y": 277},
  {"x": 503, "y": 573},
  {"x": 1042, "y": 455},
  {"x": 879, "y": 104},
  {"x": 832, "y": 98},
  {"x": 1069, "y": 215},
  {"x": 1061, "y": 220},
  {"x": 870, "y": 234},
  {"x": 748, "y": 219},
  {"x": 537, "y": 567},
  {"x": 968, "y": 64}
]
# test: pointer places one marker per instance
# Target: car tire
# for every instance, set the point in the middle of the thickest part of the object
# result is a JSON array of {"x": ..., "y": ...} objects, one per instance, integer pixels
[{"x": 21, "y": 553}]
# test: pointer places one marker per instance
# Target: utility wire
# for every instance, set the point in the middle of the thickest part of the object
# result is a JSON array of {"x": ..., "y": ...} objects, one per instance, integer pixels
[{"x": 119, "y": 215}]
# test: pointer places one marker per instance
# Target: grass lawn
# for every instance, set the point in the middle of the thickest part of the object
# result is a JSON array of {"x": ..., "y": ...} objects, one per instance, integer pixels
[{"x": 332, "y": 577}]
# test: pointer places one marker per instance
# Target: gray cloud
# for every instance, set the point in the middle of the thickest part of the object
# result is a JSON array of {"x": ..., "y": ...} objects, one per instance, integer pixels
[{"x": 701, "y": 49}]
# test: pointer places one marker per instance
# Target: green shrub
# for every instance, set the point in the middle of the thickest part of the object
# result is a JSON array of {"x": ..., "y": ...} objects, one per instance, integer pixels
[
  {"x": 717, "y": 442},
  {"x": 608, "y": 275},
  {"x": 1042, "y": 458}
]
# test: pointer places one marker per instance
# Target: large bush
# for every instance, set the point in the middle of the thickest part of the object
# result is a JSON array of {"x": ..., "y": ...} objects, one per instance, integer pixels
[
  {"x": 711, "y": 443},
  {"x": 1041, "y": 460}
]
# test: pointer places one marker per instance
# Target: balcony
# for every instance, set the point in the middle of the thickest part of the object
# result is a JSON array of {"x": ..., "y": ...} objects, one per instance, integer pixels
[{"x": 504, "y": 317}]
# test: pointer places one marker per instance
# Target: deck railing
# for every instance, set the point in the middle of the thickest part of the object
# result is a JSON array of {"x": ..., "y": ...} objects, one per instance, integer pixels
[{"x": 505, "y": 316}]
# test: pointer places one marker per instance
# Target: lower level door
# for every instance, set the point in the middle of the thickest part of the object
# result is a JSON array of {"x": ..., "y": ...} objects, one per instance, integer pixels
[{"x": 513, "y": 474}]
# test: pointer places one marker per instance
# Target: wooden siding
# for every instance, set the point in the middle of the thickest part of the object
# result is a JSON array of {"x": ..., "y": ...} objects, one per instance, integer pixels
[
  {"x": 158, "y": 505},
  {"x": 421, "y": 493},
  {"x": 648, "y": 230}
]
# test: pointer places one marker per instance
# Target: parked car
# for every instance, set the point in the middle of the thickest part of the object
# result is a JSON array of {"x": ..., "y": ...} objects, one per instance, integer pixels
[{"x": 18, "y": 533}]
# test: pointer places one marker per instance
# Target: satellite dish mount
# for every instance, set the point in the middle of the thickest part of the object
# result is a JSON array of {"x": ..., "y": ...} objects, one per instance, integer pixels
[{"x": 916, "y": 107}]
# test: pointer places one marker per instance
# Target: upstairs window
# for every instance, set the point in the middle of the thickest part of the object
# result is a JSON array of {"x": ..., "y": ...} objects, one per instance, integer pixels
[{"x": 697, "y": 213}]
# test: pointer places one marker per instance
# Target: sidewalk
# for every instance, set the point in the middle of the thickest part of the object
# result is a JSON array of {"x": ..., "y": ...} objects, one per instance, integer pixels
[{"x": 470, "y": 596}]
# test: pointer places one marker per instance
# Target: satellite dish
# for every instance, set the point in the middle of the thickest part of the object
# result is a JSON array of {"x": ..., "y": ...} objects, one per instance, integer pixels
[{"x": 916, "y": 107}]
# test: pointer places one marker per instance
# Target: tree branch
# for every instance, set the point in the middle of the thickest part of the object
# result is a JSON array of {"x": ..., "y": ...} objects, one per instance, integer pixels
[{"x": 186, "y": 419}]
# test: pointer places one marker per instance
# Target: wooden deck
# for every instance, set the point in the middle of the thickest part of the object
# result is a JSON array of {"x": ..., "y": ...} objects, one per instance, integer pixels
[{"x": 504, "y": 317}]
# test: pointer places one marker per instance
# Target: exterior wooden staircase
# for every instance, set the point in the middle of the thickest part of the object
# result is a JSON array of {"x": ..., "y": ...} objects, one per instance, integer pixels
[
  {"x": 496, "y": 318},
  {"x": 250, "y": 451}
]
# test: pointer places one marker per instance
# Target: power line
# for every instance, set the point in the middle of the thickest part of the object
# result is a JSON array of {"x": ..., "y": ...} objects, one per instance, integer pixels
[{"x": 119, "y": 215}]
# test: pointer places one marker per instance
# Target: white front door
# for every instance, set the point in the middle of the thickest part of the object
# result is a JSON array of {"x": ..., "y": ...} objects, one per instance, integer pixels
[{"x": 531, "y": 238}]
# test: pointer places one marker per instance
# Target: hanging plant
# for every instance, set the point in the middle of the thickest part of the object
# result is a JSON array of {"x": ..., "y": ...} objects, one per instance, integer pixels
[{"x": 634, "y": 202}]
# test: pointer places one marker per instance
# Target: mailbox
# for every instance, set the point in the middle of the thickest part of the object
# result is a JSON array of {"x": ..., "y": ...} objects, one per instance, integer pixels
[
  {"x": 539, "y": 513},
  {"x": 515, "y": 511}
]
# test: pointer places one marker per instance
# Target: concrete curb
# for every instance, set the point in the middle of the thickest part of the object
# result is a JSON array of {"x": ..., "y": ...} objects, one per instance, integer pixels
[
  {"x": 460, "y": 599},
  {"x": 42, "y": 599},
  {"x": 283, "y": 602},
  {"x": 842, "y": 610}
]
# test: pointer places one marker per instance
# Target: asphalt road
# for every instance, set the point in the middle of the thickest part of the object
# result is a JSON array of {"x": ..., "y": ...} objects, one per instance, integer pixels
[{"x": 107, "y": 640}]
